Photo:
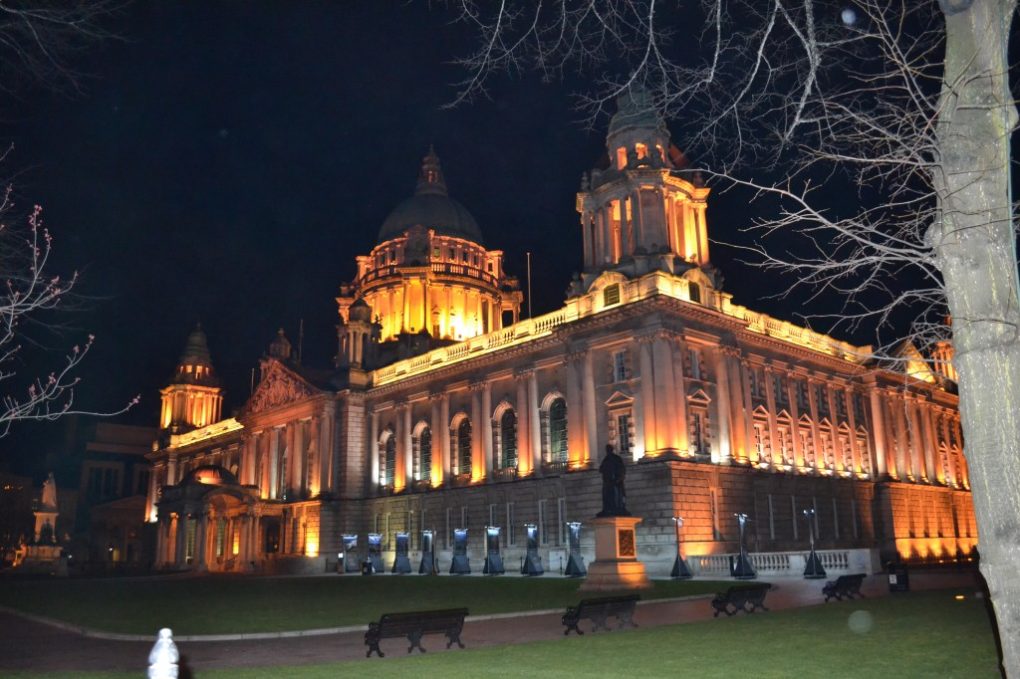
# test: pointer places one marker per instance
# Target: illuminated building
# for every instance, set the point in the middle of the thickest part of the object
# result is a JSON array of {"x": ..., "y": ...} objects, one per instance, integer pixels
[{"x": 443, "y": 409}]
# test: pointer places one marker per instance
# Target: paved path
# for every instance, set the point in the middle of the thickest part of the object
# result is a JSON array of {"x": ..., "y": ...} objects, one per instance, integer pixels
[{"x": 25, "y": 644}]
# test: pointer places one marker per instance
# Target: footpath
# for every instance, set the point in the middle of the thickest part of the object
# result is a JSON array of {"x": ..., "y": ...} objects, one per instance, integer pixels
[{"x": 30, "y": 644}]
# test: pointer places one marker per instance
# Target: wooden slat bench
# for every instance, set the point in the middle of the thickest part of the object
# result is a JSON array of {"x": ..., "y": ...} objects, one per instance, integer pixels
[
  {"x": 599, "y": 610},
  {"x": 739, "y": 598},
  {"x": 847, "y": 586},
  {"x": 414, "y": 625}
]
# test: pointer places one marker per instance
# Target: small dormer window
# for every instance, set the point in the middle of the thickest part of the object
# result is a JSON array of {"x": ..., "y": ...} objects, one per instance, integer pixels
[{"x": 621, "y": 158}]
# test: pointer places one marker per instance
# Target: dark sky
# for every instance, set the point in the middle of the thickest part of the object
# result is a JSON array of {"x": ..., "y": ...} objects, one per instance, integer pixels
[{"x": 226, "y": 162}]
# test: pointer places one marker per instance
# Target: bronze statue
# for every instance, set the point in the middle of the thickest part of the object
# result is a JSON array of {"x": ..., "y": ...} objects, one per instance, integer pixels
[{"x": 614, "y": 497}]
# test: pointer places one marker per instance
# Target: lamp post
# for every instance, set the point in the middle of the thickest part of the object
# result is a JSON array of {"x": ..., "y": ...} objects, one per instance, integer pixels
[
  {"x": 813, "y": 568},
  {"x": 680, "y": 570},
  {"x": 742, "y": 569}
]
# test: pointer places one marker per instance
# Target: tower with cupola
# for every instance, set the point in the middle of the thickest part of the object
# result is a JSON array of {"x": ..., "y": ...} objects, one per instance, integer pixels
[
  {"x": 642, "y": 209},
  {"x": 194, "y": 397}
]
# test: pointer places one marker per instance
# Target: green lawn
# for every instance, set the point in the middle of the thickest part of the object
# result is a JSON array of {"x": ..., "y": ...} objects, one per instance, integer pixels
[
  {"x": 217, "y": 605},
  {"x": 916, "y": 635}
]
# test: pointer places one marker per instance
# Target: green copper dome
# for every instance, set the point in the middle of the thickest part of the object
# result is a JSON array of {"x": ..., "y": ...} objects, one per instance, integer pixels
[{"x": 431, "y": 207}]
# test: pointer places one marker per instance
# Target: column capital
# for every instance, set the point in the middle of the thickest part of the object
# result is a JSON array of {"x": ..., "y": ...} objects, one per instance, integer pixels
[
  {"x": 401, "y": 405},
  {"x": 478, "y": 384},
  {"x": 524, "y": 372},
  {"x": 437, "y": 396}
]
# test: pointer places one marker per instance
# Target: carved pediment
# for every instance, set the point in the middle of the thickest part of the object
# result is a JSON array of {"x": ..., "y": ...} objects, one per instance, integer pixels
[
  {"x": 278, "y": 387},
  {"x": 620, "y": 399}
]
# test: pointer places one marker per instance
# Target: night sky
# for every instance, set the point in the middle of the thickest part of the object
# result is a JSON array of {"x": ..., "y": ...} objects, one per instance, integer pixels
[{"x": 226, "y": 162}]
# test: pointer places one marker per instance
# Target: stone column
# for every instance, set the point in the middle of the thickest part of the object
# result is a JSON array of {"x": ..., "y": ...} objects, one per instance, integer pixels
[
  {"x": 737, "y": 399},
  {"x": 487, "y": 428},
  {"x": 857, "y": 456},
  {"x": 670, "y": 401},
  {"x": 179, "y": 537},
  {"x": 437, "y": 471},
  {"x": 816, "y": 437},
  {"x": 162, "y": 531},
  {"x": 722, "y": 451},
  {"x": 900, "y": 437},
  {"x": 935, "y": 472},
  {"x": 171, "y": 469},
  {"x": 534, "y": 419},
  {"x": 373, "y": 452},
  {"x": 648, "y": 410},
  {"x": 770, "y": 403},
  {"x": 406, "y": 448},
  {"x": 300, "y": 460},
  {"x": 444, "y": 436},
  {"x": 590, "y": 453},
  {"x": 577, "y": 428},
  {"x": 877, "y": 432},
  {"x": 477, "y": 452},
  {"x": 274, "y": 462},
  {"x": 201, "y": 541},
  {"x": 524, "y": 415}
]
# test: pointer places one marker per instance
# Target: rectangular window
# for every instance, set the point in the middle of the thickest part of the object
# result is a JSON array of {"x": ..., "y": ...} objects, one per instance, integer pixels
[
  {"x": 713, "y": 499},
  {"x": 542, "y": 527},
  {"x": 561, "y": 520},
  {"x": 782, "y": 394},
  {"x": 822, "y": 400},
  {"x": 793, "y": 513},
  {"x": 772, "y": 520},
  {"x": 802, "y": 397},
  {"x": 492, "y": 515},
  {"x": 693, "y": 364},
  {"x": 449, "y": 528},
  {"x": 814, "y": 506},
  {"x": 619, "y": 366},
  {"x": 835, "y": 519},
  {"x": 511, "y": 534},
  {"x": 463, "y": 517},
  {"x": 611, "y": 294},
  {"x": 624, "y": 434},
  {"x": 853, "y": 518}
]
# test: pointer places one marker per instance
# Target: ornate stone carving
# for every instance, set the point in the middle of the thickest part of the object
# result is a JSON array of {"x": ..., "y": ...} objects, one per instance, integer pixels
[{"x": 278, "y": 388}]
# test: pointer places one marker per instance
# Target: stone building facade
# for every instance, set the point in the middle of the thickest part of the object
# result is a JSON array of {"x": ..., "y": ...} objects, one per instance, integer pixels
[{"x": 444, "y": 409}]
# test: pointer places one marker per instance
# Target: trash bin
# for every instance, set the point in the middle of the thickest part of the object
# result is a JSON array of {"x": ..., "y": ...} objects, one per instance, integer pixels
[
  {"x": 899, "y": 577},
  {"x": 366, "y": 567}
]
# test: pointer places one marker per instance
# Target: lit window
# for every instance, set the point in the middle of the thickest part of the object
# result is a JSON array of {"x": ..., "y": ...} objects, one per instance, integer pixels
[
  {"x": 642, "y": 151},
  {"x": 621, "y": 158},
  {"x": 619, "y": 366}
]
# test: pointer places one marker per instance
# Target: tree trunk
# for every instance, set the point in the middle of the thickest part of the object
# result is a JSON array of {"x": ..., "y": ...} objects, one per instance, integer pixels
[{"x": 976, "y": 252}]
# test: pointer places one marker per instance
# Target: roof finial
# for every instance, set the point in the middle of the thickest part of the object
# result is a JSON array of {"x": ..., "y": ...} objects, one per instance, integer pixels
[{"x": 430, "y": 179}]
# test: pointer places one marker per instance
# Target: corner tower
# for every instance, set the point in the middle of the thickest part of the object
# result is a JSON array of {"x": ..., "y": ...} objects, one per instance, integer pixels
[
  {"x": 194, "y": 397},
  {"x": 644, "y": 210},
  {"x": 430, "y": 273}
]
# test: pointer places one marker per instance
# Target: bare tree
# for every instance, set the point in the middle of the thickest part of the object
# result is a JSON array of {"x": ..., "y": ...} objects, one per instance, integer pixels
[
  {"x": 29, "y": 290},
  {"x": 907, "y": 100},
  {"x": 38, "y": 44},
  {"x": 39, "y": 41}
]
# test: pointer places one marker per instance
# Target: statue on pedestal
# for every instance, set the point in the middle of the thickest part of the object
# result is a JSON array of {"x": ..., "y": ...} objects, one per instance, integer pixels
[{"x": 614, "y": 497}]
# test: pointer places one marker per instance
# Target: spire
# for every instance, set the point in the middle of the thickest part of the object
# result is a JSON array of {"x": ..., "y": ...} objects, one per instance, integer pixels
[{"x": 430, "y": 179}]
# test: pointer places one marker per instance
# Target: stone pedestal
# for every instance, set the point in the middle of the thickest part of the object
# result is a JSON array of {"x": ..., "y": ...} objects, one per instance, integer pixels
[{"x": 616, "y": 565}]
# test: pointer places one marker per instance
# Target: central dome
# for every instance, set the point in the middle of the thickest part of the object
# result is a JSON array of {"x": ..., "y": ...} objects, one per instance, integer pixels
[{"x": 432, "y": 208}]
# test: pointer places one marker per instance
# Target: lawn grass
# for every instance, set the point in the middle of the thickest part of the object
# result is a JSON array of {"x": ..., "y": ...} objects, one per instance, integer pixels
[
  {"x": 916, "y": 635},
  {"x": 224, "y": 605}
]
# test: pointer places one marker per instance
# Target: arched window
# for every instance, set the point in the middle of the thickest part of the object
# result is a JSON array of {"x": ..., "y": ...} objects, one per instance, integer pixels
[
  {"x": 421, "y": 452},
  {"x": 464, "y": 446},
  {"x": 388, "y": 463},
  {"x": 508, "y": 439},
  {"x": 558, "y": 430}
]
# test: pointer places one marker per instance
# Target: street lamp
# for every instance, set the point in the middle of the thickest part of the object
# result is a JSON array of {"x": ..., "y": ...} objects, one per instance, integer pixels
[
  {"x": 813, "y": 568},
  {"x": 742, "y": 569},
  {"x": 680, "y": 569}
]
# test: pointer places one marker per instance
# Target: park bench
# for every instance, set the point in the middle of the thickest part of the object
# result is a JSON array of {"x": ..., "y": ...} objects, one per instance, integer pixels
[
  {"x": 599, "y": 610},
  {"x": 844, "y": 586},
  {"x": 414, "y": 625},
  {"x": 739, "y": 598}
]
